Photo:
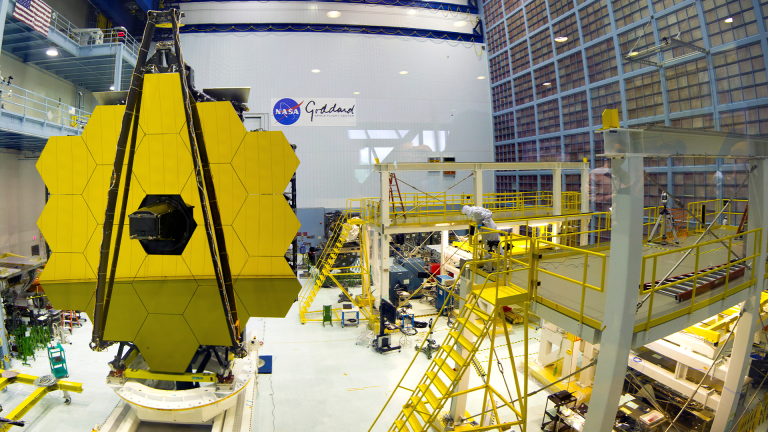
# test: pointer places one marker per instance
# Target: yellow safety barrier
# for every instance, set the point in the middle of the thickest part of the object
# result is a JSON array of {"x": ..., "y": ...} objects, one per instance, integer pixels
[
  {"x": 697, "y": 251},
  {"x": 755, "y": 417}
]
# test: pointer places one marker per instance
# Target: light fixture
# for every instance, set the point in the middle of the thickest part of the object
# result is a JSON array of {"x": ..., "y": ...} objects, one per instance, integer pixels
[
  {"x": 481, "y": 77},
  {"x": 632, "y": 54},
  {"x": 315, "y": 70},
  {"x": 333, "y": 14},
  {"x": 356, "y": 93},
  {"x": 729, "y": 20},
  {"x": 52, "y": 51},
  {"x": 547, "y": 84},
  {"x": 403, "y": 72},
  {"x": 459, "y": 23},
  {"x": 561, "y": 38},
  {"x": 411, "y": 11},
  {"x": 111, "y": 87}
]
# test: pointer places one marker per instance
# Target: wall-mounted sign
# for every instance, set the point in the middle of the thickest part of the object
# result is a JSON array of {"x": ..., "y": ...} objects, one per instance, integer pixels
[{"x": 304, "y": 111}]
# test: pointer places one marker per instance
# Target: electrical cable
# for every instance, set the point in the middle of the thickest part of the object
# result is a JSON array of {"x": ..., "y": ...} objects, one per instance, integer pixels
[{"x": 709, "y": 369}]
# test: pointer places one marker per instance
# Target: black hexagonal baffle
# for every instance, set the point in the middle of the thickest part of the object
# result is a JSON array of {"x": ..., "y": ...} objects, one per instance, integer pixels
[{"x": 163, "y": 224}]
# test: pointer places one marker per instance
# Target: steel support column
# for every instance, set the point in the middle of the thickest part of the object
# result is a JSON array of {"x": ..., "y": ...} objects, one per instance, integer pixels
[
  {"x": 384, "y": 210},
  {"x": 621, "y": 296},
  {"x": 477, "y": 187},
  {"x": 118, "y": 67}
]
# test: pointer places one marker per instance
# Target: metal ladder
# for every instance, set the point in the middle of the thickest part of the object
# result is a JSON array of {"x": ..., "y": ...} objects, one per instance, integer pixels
[
  {"x": 393, "y": 180},
  {"x": 432, "y": 389},
  {"x": 323, "y": 268}
]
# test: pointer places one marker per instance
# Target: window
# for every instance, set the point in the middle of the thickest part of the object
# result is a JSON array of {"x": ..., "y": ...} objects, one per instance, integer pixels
[
  {"x": 573, "y": 182},
  {"x": 740, "y": 74},
  {"x": 684, "y": 22},
  {"x": 688, "y": 86},
  {"x": 571, "y": 69},
  {"x": 526, "y": 122},
  {"x": 542, "y": 76},
  {"x": 497, "y": 39},
  {"x": 595, "y": 21},
  {"x": 536, "y": 13},
  {"x": 764, "y": 7},
  {"x": 516, "y": 26},
  {"x": 505, "y": 153},
  {"x": 566, "y": 27},
  {"x": 549, "y": 150},
  {"x": 652, "y": 192},
  {"x": 493, "y": 12},
  {"x": 720, "y": 32},
  {"x": 510, "y": 5},
  {"x": 546, "y": 182},
  {"x": 643, "y": 37},
  {"x": 625, "y": 12},
  {"x": 752, "y": 121},
  {"x": 528, "y": 182},
  {"x": 690, "y": 187},
  {"x": 601, "y": 61},
  {"x": 576, "y": 147},
  {"x": 558, "y": 8},
  {"x": 541, "y": 47},
  {"x": 499, "y": 66},
  {"x": 526, "y": 152},
  {"x": 644, "y": 95},
  {"x": 704, "y": 122},
  {"x": 575, "y": 113},
  {"x": 663, "y": 4},
  {"x": 505, "y": 183},
  {"x": 502, "y": 96},
  {"x": 549, "y": 117},
  {"x": 523, "y": 89},
  {"x": 605, "y": 97},
  {"x": 520, "y": 59},
  {"x": 503, "y": 128}
]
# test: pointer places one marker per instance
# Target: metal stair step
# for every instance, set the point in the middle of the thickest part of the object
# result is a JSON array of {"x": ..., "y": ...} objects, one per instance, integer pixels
[
  {"x": 400, "y": 424},
  {"x": 431, "y": 398},
  {"x": 447, "y": 369},
  {"x": 469, "y": 325},
  {"x": 442, "y": 389},
  {"x": 464, "y": 342},
  {"x": 421, "y": 409},
  {"x": 455, "y": 355},
  {"x": 413, "y": 420}
]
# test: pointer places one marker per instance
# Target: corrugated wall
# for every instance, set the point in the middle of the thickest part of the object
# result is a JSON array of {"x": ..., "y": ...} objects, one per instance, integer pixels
[{"x": 440, "y": 108}]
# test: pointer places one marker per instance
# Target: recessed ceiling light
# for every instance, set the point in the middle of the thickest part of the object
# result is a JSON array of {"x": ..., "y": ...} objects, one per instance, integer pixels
[
  {"x": 411, "y": 11},
  {"x": 333, "y": 14},
  {"x": 111, "y": 87},
  {"x": 356, "y": 93},
  {"x": 459, "y": 23},
  {"x": 547, "y": 84},
  {"x": 481, "y": 77},
  {"x": 561, "y": 38},
  {"x": 52, "y": 51},
  {"x": 315, "y": 70},
  {"x": 403, "y": 72},
  {"x": 729, "y": 20}
]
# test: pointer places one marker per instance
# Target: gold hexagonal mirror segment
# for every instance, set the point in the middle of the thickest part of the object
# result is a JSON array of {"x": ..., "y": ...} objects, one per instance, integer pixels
[
  {"x": 265, "y": 162},
  {"x": 266, "y": 225},
  {"x": 65, "y": 165},
  {"x": 222, "y": 130},
  {"x": 67, "y": 223},
  {"x": 167, "y": 343}
]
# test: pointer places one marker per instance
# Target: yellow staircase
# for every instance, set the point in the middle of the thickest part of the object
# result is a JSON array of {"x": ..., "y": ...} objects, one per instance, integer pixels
[
  {"x": 454, "y": 358},
  {"x": 324, "y": 267}
]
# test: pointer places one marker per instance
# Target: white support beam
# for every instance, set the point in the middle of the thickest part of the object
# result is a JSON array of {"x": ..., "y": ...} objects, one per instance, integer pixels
[
  {"x": 666, "y": 142},
  {"x": 480, "y": 166},
  {"x": 687, "y": 357},
  {"x": 707, "y": 397},
  {"x": 584, "y": 240},
  {"x": 384, "y": 206},
  {"x": 477, "y": 187},
  {"x": 621, "y": 298},
  {"x": 557, "y": 192}
]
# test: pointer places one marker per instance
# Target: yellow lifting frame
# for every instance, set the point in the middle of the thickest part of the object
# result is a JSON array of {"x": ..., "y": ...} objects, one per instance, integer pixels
[
  {"x": 167, "y": 376},
  {"x": 30, "y": 401}
]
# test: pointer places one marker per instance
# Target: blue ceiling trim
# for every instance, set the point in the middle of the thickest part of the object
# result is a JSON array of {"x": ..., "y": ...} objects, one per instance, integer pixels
[
  {"x": 448, "y": 7},
  {"x": 323, "y": 28}
]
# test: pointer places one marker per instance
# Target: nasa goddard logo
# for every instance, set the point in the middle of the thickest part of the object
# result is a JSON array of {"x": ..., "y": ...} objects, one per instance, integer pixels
[{"x": 287, "y": 111}]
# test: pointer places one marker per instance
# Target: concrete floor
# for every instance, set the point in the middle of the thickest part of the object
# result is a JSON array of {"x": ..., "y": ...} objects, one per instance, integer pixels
[{"x": 321, "y": 381}]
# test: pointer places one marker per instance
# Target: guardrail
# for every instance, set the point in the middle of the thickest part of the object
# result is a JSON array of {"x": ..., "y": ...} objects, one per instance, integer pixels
[
  {"x": 707, "y": 210},
  {"x": 94, "y": 36},
  {"x": 32, "y": 106},
  {"x": 697, "y": 273}
]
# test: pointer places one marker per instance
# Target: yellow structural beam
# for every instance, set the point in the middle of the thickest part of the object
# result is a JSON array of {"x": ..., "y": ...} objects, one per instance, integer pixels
[
  {"x": 36, "y": 396},
  {"x": 162, "y": 376}
]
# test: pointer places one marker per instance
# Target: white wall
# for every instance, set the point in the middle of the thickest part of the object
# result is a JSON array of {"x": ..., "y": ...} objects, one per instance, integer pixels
[
  {"x": 22, "y": 197},
  {"x": 440, "y": 96}
]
